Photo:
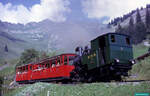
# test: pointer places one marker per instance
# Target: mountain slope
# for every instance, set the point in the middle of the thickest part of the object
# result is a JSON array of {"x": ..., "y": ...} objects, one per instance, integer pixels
[
  {"x": 50, "y": 36},
  {"x": 14, "y": 46},
  {"x": 136, "y": 24},
  {"x": 124, "y": 20}
]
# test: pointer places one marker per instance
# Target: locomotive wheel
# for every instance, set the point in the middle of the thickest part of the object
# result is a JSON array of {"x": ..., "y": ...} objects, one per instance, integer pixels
[
  {"x": 79, "y": 73},
  {"x": 90, "y": 79},
  {"x": 118, "y": 78},
  {"x": 78, "y": 77}
]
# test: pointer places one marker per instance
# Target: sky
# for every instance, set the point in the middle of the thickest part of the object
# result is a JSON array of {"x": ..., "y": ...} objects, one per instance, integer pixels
[{"x": 25, "y": 11}]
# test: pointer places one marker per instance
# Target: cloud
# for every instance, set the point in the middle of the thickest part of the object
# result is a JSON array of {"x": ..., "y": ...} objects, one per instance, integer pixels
[
  {"x": 53, "y": 10},
  {"x": 111, "y": 8}
]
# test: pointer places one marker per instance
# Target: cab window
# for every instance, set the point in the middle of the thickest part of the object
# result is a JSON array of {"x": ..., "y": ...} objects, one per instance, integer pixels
[
  {"x": 128, "y": 41},
  {"x": 112, "y": 38}
]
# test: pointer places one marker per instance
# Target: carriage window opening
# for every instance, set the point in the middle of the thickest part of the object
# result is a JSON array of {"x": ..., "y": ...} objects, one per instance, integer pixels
[
  {"x": 53, "y": 63},
  {"x": 71, "y": 60},
  {"x": 22, "y": 69},
  {"x": 19, "y": 70},
  {"x": 30, "y": 67},
  {"x": 128, "y": 41},
  {"x": 26, "y": 68},
  {"x": 65, "y": 60},
  {"x": 112, "y": 38},
  {"x": 48, "y": 64},
  {"x": 61, "y": 59},
  {"x": 43, "y": 65},
  {"x": 58, "y": 61}
]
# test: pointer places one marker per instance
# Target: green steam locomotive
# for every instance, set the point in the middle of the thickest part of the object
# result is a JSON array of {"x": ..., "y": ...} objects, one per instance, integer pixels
[{"x": 109, "y": 58}]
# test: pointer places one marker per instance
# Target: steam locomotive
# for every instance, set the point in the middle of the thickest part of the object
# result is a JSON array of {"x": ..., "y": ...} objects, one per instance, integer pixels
[{"x": 109, "y": 58}]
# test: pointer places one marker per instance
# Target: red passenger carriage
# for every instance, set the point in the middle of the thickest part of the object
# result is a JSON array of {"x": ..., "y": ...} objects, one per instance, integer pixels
[{"x": 51, "y": 69}]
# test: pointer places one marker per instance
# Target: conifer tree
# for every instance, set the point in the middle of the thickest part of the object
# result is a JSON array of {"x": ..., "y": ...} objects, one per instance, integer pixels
[
  {"x": 131, "y": 22},
  {"x": 131, "y": 28},
  {"x": 6, "y": 48},
  {"x": 140, "y": 29},
  {"x": 119, "y": 29},
  {"x": 138, "y": 17},
  {"x": 147, "y": 18}
]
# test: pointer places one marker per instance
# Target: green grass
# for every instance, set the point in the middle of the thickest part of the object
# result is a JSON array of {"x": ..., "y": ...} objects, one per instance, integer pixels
[
  {"x": 1, "y": 62},
  {"x": 10, "y": 70},
  {"x": 7, "y": 71},
  {"x": 93, "y": 89},
  {"x": 8, "y": 74},
  {"x": 141, "y": 70},
  {"x": 140, "y": 49}
]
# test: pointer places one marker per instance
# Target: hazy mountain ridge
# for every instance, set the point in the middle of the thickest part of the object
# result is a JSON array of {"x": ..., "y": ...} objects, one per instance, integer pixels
[{"x": 50, "y": 36}]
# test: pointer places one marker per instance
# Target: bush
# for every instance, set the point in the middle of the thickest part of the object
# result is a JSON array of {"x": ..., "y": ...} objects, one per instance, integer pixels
[{"x": 29, "y": 55}]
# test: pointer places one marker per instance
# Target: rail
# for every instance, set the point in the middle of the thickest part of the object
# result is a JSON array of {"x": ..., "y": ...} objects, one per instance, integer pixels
[{"x": 142, "y": 57}]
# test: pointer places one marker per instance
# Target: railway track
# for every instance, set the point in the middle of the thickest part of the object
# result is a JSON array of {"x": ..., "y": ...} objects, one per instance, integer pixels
[
  {"x": 137, "y": 81},
  {"x": 142, "y": 57},
  {"x": 127, "y": 81}
]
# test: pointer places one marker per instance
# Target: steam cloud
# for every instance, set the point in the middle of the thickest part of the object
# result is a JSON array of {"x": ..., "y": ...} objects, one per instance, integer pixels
[{"x": 48, "y": 9}]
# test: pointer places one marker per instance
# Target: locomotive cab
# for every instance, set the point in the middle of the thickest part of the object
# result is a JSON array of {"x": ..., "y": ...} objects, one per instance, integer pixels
[
  {"x": 112, "y": 48},
  {"x": 120, "y": 53},
  {"x": 120, "y": 49}
]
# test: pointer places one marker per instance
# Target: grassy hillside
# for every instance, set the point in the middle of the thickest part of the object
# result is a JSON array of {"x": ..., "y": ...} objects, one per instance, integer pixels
[
  {"x": 141, "y": 70},
  {"x": 15, "y": 46},
  {"x": 93, "y": 89},
  {"x": 140, "y": 49}
]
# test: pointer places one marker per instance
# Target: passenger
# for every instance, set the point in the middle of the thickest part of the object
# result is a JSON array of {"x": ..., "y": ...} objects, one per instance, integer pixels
[
  {"x": 53, "y": 65},
  {"x": 58, "y": 64},
  {"x": 86, "y": 50}
]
